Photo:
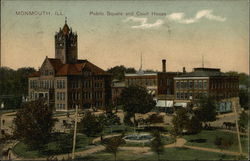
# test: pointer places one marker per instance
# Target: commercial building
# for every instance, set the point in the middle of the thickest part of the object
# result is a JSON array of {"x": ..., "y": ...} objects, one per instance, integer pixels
[{"x": 206, "y": 82}]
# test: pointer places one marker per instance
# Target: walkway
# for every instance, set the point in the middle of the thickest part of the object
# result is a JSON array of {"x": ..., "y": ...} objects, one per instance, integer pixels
[{"x": 180, "y": 142}]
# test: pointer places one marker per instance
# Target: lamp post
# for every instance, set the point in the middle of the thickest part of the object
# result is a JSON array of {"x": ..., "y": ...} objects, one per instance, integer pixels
[
  {"x": 74, "y": 139},
  {"x": 237, "y": 126}
]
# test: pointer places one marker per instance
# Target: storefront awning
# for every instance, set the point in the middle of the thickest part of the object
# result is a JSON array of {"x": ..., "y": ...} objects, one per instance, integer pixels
[
  {"x": 164, "y": 103},
  {"x": 179, "y": 104}
]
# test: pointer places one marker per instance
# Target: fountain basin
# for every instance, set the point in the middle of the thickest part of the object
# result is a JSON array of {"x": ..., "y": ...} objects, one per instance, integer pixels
[{"x": 138, "y": 138}]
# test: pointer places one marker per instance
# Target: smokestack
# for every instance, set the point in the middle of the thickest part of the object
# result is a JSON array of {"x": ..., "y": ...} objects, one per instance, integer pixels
[
  {"x": 164, "y": 65},
  {"x": 184, "y": 70}
]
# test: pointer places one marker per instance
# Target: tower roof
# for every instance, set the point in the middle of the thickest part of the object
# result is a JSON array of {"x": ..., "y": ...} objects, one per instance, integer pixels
[{"x": 65, "y": 28}]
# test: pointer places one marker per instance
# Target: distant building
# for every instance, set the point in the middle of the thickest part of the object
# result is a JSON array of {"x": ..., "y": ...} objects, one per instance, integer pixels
[
  {"x": 205, "y": 82},
  {"x": 147, "y": 80},
  {"x": 65, "y": 81},
  {"x": 117, "y": 87}
]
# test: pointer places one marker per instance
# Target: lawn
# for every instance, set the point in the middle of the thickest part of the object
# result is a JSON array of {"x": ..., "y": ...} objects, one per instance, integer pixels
[
  {"x": 206, "y": 139},
  {"x": 52, "y": 147},
  {"x": 169, "y": 154}
]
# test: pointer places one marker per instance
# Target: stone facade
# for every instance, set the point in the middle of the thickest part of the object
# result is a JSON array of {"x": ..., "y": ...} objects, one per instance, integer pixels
[{"x": 65, "y": 81}]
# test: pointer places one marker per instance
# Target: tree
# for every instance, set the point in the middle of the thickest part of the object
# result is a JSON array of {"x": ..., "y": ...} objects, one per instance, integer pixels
[
  {"x": 193, "y": 126},
  {"x": 243, "y": 77},
  {"x": 243, "y": 95},
  {"x": 14, "y": 85},
  {"x": 179, "y": 121},
  {"x": 243, "y": 121},
  {"x": 206, "y": 111},
  {"x": 109, "y": 120},
  {"x": 119, "y": 71},
  {"x": 185, "y": 120},
  {"x": 156, "y": 144},
  {"x": 112, "y": 144},
  {"x": 135, "y": 99},
  {"x": 34, "y": 123},
  {"x": 90, "y": 125},
  {"x": 154, "y": 119}
]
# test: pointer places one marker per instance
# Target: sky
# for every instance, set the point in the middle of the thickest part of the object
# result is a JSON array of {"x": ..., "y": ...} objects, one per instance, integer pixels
[{"x": 180, "y": 31}]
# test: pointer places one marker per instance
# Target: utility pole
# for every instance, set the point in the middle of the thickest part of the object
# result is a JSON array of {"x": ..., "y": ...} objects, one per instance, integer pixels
[
  {"x": 74, "y": 139},
  {"x": 237, "y": 126}
]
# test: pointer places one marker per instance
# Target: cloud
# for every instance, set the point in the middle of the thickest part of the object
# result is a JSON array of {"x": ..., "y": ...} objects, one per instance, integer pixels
[
  {"x": 208, "y": 14},
  {"x": 143, "y": 23},
  {"x": 178, "y": 17}
]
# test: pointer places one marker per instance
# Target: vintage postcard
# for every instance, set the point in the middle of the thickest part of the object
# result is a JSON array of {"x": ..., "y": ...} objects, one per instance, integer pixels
[{"x": 124, "y": 80}]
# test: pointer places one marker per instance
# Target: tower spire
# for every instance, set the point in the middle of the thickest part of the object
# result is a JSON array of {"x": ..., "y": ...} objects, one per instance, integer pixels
[
  {"x": 202, "y": 61},
  {"x": 65, "y": 20},
  {"x": 141, "y": 64}
]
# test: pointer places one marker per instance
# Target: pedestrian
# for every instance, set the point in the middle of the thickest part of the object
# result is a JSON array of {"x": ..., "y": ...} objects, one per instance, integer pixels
[{"x": 3, "y": 121}]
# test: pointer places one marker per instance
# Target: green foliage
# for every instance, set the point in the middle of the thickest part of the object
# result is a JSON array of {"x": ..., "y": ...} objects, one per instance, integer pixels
[
  {"x": 243, "y": 77},
  {"x": 119, "y": 71},
  {"x": 14, "y": 85},
  {"x": 243, "y": 121},
  {"x": 185, "y": 120},
  {"x": 109, "y": 119},
  {"x": 194, "y": 125},
  {"x": 135, "y": 99},
  {"x": 34, "y": 123},
  {"x": 206, "y": 111},
  {"x": 243, "y": 95},
  {"x": 112, "y": 144},
  {"x": 127, "y": 119},
  {"x": 157, "y": 144},
  {"x": 90, "y": 124},
  {"x": 179, "y": 122},
  {"x": 154, "y": 118}
]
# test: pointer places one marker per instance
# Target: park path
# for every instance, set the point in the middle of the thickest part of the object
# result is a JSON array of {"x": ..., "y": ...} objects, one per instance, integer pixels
[
  {"x": 180, "y": 142},
  {"x": 213, "y": 150}
]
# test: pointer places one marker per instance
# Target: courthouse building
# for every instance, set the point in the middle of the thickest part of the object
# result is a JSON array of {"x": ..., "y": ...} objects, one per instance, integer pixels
[{"x": 65, "y": 81}]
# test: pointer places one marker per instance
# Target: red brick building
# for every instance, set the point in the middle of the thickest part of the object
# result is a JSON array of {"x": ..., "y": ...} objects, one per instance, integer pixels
[{"x": 65, "y": 81}]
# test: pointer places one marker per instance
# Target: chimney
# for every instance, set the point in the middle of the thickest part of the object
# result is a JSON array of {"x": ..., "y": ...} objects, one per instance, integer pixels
[
  {"x": 164, "y": 65},
  {"x": 184, "y": 70}
]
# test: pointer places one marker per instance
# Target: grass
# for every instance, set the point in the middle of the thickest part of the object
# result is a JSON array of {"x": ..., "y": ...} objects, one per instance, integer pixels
[
  {"x": 52, "y": 148},
  {"x": 168, "y": 154},
  {"x": 206, "y": 139}
]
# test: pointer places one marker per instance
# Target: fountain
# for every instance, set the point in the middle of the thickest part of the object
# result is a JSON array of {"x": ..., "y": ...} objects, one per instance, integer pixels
[{"x": 138, "y": 138}]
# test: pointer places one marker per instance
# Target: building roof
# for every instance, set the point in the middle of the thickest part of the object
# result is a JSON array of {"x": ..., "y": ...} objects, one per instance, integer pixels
[
  {"x": 35, "y": 74},
  {"x": 72, "y": 69},
  {"x": 56, "y": 63},
  {"x": 140, "y": 74},
  {"x": 203, "y": 72}
]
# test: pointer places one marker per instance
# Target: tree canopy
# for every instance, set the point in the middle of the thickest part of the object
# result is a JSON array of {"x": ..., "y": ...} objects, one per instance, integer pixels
[
  {"x": 135, "y": 99},
  {"x": 206, "y": 110},
  {"x": 34, "y": 123},
  {"x": 119, "y": 71},
  {"x": 14, "y": 85},
  {"x": 90, "y": 124}
]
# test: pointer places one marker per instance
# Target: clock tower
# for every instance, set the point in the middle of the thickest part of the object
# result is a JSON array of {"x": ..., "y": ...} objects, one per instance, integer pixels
[{"x": 66, "y": 45}]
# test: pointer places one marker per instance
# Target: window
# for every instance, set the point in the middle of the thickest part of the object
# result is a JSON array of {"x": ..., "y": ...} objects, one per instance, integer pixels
[
  {"x": 204, "y": 84},
  {"x": 178, "y": 95},
  {"x": 190, "y": 84},
  {"x": 195, "y": 84},
  {"x": 200, "y": 84},
  {"x": 178, "y": 85}
]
